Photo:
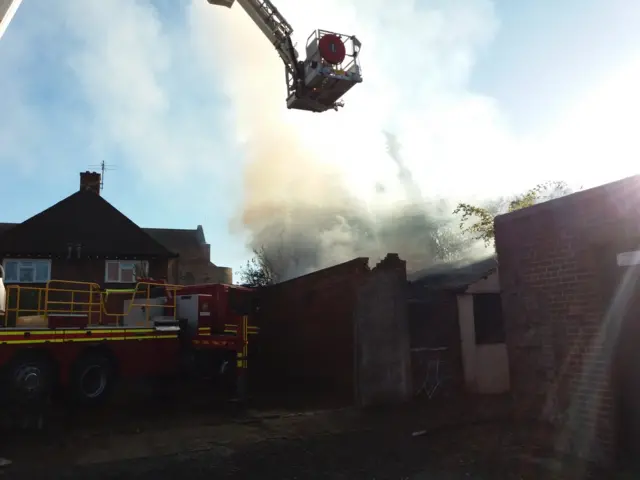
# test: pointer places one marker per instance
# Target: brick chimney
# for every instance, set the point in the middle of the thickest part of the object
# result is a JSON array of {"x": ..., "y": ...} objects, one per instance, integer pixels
[{"x": 90, "y": 181}]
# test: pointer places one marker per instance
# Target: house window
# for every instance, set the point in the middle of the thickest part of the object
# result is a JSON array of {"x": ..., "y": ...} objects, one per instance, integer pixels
[
  {"x": 123, "y": 271},
  {"x": 26, "y": 271},
  {"x": 488, "y": 320}
]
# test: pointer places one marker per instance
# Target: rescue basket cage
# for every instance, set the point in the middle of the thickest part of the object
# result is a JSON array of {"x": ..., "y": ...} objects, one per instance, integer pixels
[
  {"x": 340, "y": 52},
  {"x": 86, "y": 303},
  {"x": 342, "y": 57}
]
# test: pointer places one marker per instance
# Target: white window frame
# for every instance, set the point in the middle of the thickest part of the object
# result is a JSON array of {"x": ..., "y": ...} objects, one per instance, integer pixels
[
  {"x": 143, "y": 266},
  {"x": 26, "y": 263}
]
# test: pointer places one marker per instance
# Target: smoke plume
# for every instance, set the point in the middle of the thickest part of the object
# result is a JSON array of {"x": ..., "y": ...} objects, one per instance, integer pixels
[{"x": 320, "y": 189}]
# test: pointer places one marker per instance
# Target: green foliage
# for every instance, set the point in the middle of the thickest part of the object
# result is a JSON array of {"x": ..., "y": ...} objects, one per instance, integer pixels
[
  {"x": 259, "y": 271},
  {"x": 477, "y": 222},
  {"x": 539, "y": 193},
  {"x": 482, "y": 226}
]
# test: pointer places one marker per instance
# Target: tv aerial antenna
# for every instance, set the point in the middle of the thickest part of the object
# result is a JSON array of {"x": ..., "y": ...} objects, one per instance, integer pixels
[{"x": 104, "y": 167}]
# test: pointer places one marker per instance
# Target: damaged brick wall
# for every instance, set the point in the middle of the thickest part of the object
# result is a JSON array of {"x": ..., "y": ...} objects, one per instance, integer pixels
[
  {"x": 555, "y": 261},
  {"x": 383, "y": 358}
]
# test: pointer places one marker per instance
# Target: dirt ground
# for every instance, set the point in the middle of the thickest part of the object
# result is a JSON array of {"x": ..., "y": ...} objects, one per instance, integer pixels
[{"x": 194, "y": 439}]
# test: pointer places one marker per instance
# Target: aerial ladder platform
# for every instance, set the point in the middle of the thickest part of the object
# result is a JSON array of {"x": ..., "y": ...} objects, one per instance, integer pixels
[
  {"x": 331, "y": 67},
  {"x": 316, "y": 83}
]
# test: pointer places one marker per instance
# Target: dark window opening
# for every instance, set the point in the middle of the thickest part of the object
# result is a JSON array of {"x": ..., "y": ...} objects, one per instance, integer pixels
[
  {"x": 433, "y": 324},
  {"x": 488, "y": 319}
]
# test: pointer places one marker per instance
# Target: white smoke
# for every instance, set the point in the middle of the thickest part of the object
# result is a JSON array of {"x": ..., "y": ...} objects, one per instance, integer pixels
[{"x": 310, "y": 179}]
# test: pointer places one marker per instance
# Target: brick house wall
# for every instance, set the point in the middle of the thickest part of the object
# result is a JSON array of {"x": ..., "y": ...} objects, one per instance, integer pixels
[
  {"x": 78, "y": 271},
  {"x": 558, "y": 273},
  {"x": 193, "y": 266},
  {"x": 93, "y": 270}
]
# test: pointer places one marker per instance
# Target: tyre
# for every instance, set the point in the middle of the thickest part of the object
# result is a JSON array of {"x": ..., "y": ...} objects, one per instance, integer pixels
[
  {"x": 226, "y": 374},
  {"x": 92, "y": 378},
  {"x": 30, "y": 379}
]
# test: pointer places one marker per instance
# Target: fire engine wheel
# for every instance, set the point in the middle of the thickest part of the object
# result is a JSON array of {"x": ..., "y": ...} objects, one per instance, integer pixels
[
  {"x": 92, "y": 378},
  {"x": 30, "y": 379},
  {"x": 226, "y": 374}
]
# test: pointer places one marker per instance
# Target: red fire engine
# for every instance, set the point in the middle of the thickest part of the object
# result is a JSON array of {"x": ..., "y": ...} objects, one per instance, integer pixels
[{"x": 81, "y": 337}]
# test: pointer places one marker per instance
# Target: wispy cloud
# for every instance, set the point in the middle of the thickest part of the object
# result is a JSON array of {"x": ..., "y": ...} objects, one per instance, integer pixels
[
  {"x": 130, "y": 77},
  {"x": 148, "y": 97}
]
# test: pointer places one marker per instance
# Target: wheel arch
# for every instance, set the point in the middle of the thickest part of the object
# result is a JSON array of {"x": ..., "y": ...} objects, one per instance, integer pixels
[
  {"x": 40, "y": 353},
  {"x": 25, "y": 355},
  {"x": 99, "y": 349},
  {"x": 86, "y": 357}
]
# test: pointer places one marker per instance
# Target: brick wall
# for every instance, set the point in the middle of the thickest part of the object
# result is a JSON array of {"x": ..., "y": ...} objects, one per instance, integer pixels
[
  {"x": 557, "y": 267},
  {"x": 306, "y": 332},
  {"x": 382, "y": 340},
  {"x": 194, "y": 267},
  {"x": 308, "y": 336},
  {"x": 194, "y": 272},
  {"x": 93, "y": 270}
]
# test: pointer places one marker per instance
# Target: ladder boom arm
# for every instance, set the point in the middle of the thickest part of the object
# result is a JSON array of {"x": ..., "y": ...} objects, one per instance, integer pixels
[{"x": 315, "y": 84}]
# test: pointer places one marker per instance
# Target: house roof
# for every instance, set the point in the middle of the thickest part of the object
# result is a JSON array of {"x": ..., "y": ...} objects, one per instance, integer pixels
[
  {"x": 83, "y": 218},
  {"x": 6, "y": 226},
  {"x": 454, "y": 276},
  {"x": 177, "y": 239}
]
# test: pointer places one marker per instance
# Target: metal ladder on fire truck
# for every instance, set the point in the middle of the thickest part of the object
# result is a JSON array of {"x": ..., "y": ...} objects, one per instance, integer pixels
[
  {"x": 315, "y": 84},
  {"x": 330, "y": 70}
]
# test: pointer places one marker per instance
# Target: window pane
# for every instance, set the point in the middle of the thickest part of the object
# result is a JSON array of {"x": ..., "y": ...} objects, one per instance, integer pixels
[
  {"x": 11, "y": 271},
  {"x": 126, "y": 274},
  {"x": 113, "y": 270},
  {"x": 42, "y": 272},
  {"x": 26, "y": 274},
  {"x": 142, "y": 269}
]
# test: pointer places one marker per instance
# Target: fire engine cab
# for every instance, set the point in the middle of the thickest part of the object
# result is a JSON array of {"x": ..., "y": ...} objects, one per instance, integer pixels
[{"x": 81, "y": 337}]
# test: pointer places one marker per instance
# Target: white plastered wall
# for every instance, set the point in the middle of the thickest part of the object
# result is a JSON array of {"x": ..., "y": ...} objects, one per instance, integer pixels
[{"x": 486, "y": 367}]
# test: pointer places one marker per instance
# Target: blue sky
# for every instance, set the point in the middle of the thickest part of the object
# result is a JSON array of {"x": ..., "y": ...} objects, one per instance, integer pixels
[{"x": 185, "y": 102}]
